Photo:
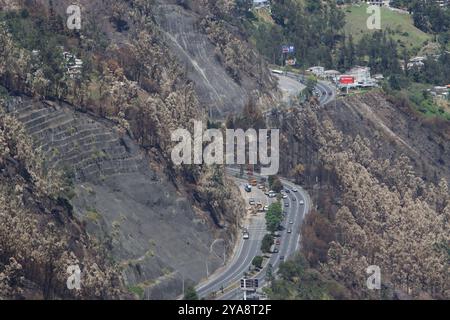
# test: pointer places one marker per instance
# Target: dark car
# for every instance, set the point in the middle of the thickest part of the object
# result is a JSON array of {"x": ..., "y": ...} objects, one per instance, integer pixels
[
  {"x": 286, "y": 204},
  {"x": 287, "y": 191},
  {"x": 282, "y": 258}
]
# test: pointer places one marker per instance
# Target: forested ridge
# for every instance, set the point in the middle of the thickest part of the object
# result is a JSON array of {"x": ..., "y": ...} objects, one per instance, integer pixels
[{"x": 372, "y": 208}]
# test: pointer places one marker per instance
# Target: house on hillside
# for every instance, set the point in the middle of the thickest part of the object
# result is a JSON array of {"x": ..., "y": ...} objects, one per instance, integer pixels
[
  {"x": 416, "y": 62},
  {"x": 261, "y": 3},
  {"x": 380, "y": 3},
  {"x": 73, "y": 64}
]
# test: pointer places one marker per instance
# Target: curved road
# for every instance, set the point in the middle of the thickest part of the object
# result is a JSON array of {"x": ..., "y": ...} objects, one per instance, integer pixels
[
  {"x": 246, "y": 250},
  {"x": 327, "y": 92}
]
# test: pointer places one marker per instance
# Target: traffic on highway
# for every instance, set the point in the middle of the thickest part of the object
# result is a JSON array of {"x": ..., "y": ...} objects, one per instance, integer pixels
[{"x": 224, "y": 283}]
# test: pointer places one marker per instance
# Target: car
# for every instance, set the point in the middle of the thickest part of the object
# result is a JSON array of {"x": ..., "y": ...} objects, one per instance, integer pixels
[
  {"x": 285, "y": 196},
  {"x": 289, "y": 230},
  {"x": 291, "y": 222},
  {"x": 251, "y": 201},
  {"x": 260, "y": 186},
  {"x": 282, "y": 258},
  {"x": 286, "y": 204},
  {"x": 248, "y": 188},
  {"x": 246, "y": 235},
  {"x": 302, "y": 202},
  {"x": 278, "y": 242},
  {"x": 266, "y": 208},
  {"x": 294, "y": 190},
  {"x": 275, "y": 250},
  {"x": 288, "y": 191}
]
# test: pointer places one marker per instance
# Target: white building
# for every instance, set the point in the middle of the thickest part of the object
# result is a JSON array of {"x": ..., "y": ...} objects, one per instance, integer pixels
[
  {"x": 416, "y": 62},
  {"x": 261, "y": 3},
  {"x": 73, "y": 64},
  {"x": 361, "y": 74},
  {"x": 317, "y": 71}
]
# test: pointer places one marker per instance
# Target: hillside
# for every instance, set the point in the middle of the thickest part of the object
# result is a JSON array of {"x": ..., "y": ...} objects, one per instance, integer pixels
[
  {"x": 378, "y": 174},
  {"x": 399, "y": 25},
  {"x": 107, "y": 131}
]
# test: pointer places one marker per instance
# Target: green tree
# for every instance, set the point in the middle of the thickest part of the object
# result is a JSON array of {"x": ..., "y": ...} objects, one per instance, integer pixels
[
  {"x": 266, "y": 243},
  {"x": 275, "y": 183},
  {"x": 190, "y": 293},
  {"x": 257, "y": 262},
  {"x": 274, "y": 216}
]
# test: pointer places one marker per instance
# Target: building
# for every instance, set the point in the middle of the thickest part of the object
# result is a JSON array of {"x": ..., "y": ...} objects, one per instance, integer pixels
[
  {"x": 331, "y": 75},
  {"x": 261, "y": 3},
  {"x": 73, "y": 64},
  {"x": 381, "y": 3},
  {"x": 317, "y": 71},
  {"x": 416, "y": 62},
  {"x": 361, "y": 74}
]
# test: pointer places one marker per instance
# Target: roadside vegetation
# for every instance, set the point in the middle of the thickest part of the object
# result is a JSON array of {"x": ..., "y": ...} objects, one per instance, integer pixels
[{"x": 274, "y": 217}]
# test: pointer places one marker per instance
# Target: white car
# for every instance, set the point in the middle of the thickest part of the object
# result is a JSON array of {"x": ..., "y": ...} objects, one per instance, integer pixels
[
  {"x": 285, "y": 196},
  {"x": 302, "y": 202},
  {"x": 294, "y": 190},
  {"x": 266, "y": 208}
]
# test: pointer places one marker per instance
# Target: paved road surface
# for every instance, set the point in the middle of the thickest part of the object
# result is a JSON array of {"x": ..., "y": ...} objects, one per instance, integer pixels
[{"x": 246, "y": 250}]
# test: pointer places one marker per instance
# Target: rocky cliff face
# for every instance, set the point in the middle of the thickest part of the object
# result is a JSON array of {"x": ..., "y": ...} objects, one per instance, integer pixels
[
  {"x": 150, "y": 225},
  {"x": 226, "y": 70}
]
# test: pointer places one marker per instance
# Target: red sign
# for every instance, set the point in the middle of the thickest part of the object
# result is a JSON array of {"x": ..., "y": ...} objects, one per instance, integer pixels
[{"x": 346, "y": 80}]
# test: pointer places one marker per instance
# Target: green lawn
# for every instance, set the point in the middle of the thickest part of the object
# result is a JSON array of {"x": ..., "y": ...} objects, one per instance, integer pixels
[
  {"x": 426, "y": 105},
  {"x": 400, "y": 26}
]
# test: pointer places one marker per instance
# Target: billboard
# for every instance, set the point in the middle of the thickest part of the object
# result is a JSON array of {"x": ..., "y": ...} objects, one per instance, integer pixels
[
  {"x": 346, "y": 79},
  {"x": 288, "y": 49}
]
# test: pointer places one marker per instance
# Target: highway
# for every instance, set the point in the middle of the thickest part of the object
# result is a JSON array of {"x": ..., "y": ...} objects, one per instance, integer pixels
[
  {"x": 327, "y": 92},
  {"x": 229, "y": 276}
]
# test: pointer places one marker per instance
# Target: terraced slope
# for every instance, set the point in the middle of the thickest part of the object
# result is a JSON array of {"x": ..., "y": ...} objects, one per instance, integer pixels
[{"x": 149, "y": 224}]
